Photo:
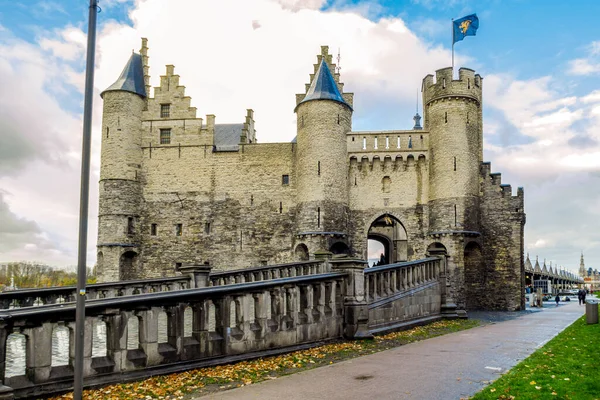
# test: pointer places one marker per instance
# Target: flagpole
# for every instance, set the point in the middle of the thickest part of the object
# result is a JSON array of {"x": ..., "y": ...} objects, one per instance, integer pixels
[{"x": 452, "y": 23}]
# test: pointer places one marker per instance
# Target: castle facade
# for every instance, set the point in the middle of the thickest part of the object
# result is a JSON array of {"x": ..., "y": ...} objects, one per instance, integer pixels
[{"x": 178, "y": 189}]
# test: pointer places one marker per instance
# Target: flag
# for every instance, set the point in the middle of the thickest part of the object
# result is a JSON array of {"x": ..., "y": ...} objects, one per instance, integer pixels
[{"x": 465, "y": 26}]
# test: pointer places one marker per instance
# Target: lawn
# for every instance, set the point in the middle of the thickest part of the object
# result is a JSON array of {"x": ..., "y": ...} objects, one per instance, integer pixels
[
  {"x": 197, "y": 382},
  {"x": 567, "y": 367}
]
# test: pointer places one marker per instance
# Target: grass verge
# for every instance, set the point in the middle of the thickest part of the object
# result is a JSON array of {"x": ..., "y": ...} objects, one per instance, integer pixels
[
  {"x": 190, "y": 384},
  {"x": 567, "y": 367}
]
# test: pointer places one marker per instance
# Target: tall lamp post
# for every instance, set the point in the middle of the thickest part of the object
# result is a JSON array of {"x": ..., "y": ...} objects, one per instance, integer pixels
[{"x": 84, "y": 202}]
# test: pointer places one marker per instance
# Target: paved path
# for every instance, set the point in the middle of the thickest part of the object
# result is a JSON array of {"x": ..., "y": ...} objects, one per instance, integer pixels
[{"x": 452, "y": 366}]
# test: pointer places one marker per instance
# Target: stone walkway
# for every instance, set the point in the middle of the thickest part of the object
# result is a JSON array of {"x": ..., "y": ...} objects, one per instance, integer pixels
[{"x": 453, "y": 366}]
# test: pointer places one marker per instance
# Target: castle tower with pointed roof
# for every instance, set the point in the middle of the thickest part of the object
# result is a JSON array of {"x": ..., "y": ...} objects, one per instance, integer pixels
[{"x": 324, "y": 118}]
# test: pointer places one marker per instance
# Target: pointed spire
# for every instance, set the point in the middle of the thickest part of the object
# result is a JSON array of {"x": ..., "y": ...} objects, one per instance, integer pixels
[
  {"x": 323, "y": 87},
  {"x": 131, "y": 79},
  {"x": 417, "y": 117}
]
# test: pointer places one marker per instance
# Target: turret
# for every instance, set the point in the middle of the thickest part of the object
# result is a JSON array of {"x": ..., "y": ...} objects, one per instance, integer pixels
[
  {"x": 452, "y": 114},
  {"x": 121, "y": 159},
  {"x": 324, "y": 117}
]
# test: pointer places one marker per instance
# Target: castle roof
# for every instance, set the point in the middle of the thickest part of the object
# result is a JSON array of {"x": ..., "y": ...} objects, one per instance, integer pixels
[
  {"x": 323, "y": 87},
  {"x": 131, "y": 79},
  {"x": 227, "y": 137}
]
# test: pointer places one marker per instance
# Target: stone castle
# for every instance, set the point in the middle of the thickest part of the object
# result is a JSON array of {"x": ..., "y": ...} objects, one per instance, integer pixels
[{"x": 177, "y": 189}]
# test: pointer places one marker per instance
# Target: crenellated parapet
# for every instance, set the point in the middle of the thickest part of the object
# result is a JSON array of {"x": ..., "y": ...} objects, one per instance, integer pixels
[
  {"x": 468, "y": 85},
  {"x": 386, "y": 164}
]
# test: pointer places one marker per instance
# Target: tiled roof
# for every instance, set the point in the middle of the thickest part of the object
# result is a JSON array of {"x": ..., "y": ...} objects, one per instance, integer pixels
[
  {"x": 131, "y": 79},
  {"x": 323, "y": 87},
  {"x": 227, "y": 137}
]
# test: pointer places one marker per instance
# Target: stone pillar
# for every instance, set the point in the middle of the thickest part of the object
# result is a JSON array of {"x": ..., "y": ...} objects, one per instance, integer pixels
[
  {"x": 149, "y": 335},
  {"x": 38, "y": 359},
  {"x": 448, "y": 307},
  {"x": 3, "y": 338},
  {"x": 87, "y": 346},
  {"x": 116, "y": 339},
  {"x": 356, "y": 307},
  {"x": 199, "y": 274}
]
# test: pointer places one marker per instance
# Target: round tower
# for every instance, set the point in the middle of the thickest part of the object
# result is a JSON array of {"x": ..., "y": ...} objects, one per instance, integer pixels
[
  {"x": 452, "y": 114},
  {"x": 324, "y": 118},
  {"x": 120, "y": 189}
]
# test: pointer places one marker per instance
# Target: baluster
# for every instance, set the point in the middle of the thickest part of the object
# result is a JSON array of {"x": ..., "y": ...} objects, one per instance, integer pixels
[
  {"x": 393, "y": 286},
  {"x": 116, "y": 339},
  {"x": 148, "y": 335},
  {"x": 38, "y": 353}
]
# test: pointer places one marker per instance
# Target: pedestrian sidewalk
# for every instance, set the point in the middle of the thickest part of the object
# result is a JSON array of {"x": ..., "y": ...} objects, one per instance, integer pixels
[{"x": 452, "y": 366}]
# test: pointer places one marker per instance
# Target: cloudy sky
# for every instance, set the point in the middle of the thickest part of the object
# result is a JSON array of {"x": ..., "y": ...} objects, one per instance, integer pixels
[{"x": 540, "y": 61}]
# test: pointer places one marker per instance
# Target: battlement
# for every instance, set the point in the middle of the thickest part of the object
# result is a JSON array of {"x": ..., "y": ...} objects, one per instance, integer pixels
[
  {"x": 494, "y": 180},
  {"x": 443, "y": 85},
  {"x": 387, "y": 164}
]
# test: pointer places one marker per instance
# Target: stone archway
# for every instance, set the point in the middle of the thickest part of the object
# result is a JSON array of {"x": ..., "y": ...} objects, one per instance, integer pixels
[
  {"x": 390, "y": 232},
  {"x": 128, "y": 266},
  {"x": 301, "y": 252},
  {"x": 475, "y": 276}
]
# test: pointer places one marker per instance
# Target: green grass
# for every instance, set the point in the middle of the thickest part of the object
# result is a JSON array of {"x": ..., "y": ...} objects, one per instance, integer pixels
[{"x": 567, "y": 367}]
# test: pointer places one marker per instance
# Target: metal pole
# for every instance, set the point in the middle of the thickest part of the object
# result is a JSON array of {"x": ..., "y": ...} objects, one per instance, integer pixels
[
  {"x": 452, "y": 48},
  {"x": 84, "y": 202}
]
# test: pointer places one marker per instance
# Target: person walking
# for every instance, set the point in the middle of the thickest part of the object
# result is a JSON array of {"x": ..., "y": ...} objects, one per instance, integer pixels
[
  {"x": 557, "y": 299},
  {"x": 580, "y": 296},
  {"x": 583, "y": 293}
]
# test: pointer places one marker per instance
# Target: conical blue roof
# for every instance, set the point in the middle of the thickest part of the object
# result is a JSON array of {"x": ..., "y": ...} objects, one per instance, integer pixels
[
  {"x": 323, "y": 87},
  {"x": 131, "y": 79}
]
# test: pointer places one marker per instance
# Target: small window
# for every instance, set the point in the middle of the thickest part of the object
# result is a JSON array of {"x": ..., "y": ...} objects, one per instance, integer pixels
[
  {"x": 410, "y": 142},
  {"x": 387, "y": 142},
  {"x": 446, "y": 117},
  {"x": 178, "y": 229},
  {"x": 165, "y": 136},
  {"x": 177, "y": 266},
  {"x": 153, "y": 229},
  {"x": 398, "y": 142},
  {"x": 319, "y": 168},
  {"x": 353, "y": 138},
  {"x": 364, "y": 143},
  {"x": 207, "y": 227},
  {"x": 285, "y": 179},
  {"x": 165, "y": 110},
  {"x": 375, "y": 143},
  {"x": 130, "y": 227},
  {"x": 319, "y": 217}
]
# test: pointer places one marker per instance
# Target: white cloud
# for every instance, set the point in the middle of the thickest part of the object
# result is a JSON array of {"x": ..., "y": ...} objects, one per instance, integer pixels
[{"x": 583, "y": 66}]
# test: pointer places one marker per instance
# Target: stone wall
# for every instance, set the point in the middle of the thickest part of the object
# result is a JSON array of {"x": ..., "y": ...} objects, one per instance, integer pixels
[
  {"x": 233, "y": 207},
  {"x": 502, "y": 223}
]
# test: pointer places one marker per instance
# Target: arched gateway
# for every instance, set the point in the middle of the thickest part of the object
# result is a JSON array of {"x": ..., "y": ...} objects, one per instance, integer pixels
[{"x": 389, "y": 232}]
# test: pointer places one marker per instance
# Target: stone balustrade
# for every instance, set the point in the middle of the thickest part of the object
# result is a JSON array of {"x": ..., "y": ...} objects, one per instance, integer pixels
[
  {"x": 263, "y": 273},
  {"x": 64, "y": 294},
  {"x": 270, "y": 310},
  {"x": 402, "y": 294},
  {"x": 386, "y": 280},
  {"x": 238, "y": 319}
]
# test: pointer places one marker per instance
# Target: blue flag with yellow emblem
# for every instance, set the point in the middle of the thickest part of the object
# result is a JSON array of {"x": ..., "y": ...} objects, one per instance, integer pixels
[{"x": 465, "y": 26}]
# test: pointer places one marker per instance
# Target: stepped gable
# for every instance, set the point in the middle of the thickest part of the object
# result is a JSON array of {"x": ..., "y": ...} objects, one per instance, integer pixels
[{"x": 131, "y": 78}]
